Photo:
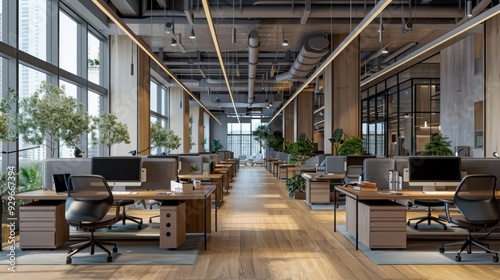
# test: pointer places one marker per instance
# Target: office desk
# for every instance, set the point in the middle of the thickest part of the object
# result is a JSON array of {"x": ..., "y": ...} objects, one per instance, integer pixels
[
  {"x": 368, "y": 194},
  {"x": 200, "y": 197},
  {"x": 217, "y": 179},
  {"x": 318, "y": 186}
]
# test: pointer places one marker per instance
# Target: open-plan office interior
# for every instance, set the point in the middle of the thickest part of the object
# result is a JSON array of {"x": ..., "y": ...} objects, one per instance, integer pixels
[{"x": 394, "y": 73}]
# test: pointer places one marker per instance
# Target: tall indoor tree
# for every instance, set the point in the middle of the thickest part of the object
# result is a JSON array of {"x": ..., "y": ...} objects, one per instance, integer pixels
[
  {"x": 110, "y": 130},
  {"x": 261, "y": 134},
  {"x": 162, "y": 137},
  {"x": 50, "y": 116}
]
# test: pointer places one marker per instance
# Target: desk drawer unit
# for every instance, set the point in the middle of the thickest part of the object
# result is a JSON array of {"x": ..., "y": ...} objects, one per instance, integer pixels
[
  {"x": 42, "y": 225},
  {"x": 319, "y": 192},
  {"x": 382, "y": 224},
  {"x": 172, "y": 224}
]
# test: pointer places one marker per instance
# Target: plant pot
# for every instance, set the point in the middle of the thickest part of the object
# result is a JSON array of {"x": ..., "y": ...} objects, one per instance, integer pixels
[{"x": 300, "y": 195}]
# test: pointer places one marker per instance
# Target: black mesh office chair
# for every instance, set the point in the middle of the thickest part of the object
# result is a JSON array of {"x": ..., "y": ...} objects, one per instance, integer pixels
[
  {"x": 428, "y": 218},
  {"x": 87, "y": 205},
  {"x": 475, "y": 199},
  {"x": 123, "y": 203}
]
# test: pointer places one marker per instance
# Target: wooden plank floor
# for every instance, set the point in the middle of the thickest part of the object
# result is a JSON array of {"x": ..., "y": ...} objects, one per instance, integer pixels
[{"x": 265, "y": 235}]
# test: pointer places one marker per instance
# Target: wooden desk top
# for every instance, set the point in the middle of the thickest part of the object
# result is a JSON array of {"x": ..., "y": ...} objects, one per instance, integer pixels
[
  {"x": 200, "y": 193},
  {"x": 374, "y": 194},
  {"x": 215, "y": 176},
  {"x": 322, "y": 177}
]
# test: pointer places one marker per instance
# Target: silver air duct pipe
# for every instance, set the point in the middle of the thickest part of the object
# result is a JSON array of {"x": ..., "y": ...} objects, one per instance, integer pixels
[
  {"x": 253, "y": 54},
  {"x": 310, "y": 55}
]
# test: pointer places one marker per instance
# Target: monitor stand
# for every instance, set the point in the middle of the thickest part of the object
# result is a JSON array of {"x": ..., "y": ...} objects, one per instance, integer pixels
[{"x": 428, "y": 188}]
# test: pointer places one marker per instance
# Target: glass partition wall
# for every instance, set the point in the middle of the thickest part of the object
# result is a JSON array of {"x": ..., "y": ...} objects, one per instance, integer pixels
[{"x": 400, "y": 117}]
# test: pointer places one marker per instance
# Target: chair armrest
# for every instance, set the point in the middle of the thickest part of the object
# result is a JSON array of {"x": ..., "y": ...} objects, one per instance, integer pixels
[{"x": 447, "y": 203}]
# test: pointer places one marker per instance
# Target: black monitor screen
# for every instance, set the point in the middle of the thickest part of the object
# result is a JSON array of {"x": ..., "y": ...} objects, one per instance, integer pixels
[
  {"x": 357, "y": 159},
  {"x": 118, "y": 170},
  {"x": 434, "y": 170}
]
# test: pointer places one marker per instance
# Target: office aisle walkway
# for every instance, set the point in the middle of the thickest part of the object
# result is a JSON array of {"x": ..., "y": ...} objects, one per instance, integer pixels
[{"x": 265, "y": 235}]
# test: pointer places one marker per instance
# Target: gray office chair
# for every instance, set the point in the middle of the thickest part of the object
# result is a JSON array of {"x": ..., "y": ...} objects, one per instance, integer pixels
[
  {"x": 475, "y": 199},
  {"x": 87, "y": 205},
  {"x": 428, "y": 218},
  {"x": 352, "y": 174}
]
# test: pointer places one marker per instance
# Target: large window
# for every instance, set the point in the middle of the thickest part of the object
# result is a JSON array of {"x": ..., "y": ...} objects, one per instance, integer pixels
[
  {"x": 159, "y": 109},
  {"x": 52, "y": 38},
  {"x": 240, "y": 139}
]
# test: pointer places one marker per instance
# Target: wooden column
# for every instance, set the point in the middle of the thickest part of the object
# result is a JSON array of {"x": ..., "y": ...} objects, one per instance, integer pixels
[
  {"x": 197, "y": 129},
  {"x": 342, "y": 102},
  {"x": 288, "y": 123},
  {"x": 304, "y": 116},
  {"x": 144, "y": 115}
]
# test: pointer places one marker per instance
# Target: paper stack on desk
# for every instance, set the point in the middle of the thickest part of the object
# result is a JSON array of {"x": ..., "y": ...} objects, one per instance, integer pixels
[{"x": 363, "y": 184}]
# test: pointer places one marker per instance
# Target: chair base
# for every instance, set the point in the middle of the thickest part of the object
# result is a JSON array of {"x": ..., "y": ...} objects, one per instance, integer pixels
[
  {"x": 152, "y": 217},
  {"x": 73, "y": 249},
  {"x": 126, "y": 217},
  {"x": 468, "y": 245},
  {"x": 428, "y": 218}
]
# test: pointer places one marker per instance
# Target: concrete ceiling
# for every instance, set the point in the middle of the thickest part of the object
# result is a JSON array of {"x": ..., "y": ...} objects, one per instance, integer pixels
[{"x": 275, "y": 20}]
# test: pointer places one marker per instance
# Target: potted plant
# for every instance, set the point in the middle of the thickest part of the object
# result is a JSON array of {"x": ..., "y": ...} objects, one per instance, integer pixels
[
  {"x": 50, "y": 116},
  {"x": 276, "y": 140},
  {"x": 351, "y": 146},
  {"x": 261, "y": 134},
  {"x": 111, "y": 131},
  {"x": 300, "y": 151},
  {"x": 296, "y": 187},
  {"x": 338, "y": 138},
  {"x": 215, "y": 146},
  {"x": 439, "y": 146},
  {"x": 161, "y": 137}
]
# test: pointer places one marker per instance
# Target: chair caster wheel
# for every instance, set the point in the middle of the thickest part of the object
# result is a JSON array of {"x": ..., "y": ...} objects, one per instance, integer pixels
[
  {"x": 110, "y": 259},
  {"x": 495, "y": 258},
  {"x": 458, "y": 258},
  {"x": 115, "y": 250},
  {"x": 415, "y": 227},
  {"x": 141, "y": 223},
  {"x": 68, "y": 261},
  {"x": 445, "y": 228},
  {"x": 150, "y": 220},
  {"x": 408, "y": 223},
  {"x": 139, "y": 226},
  {"x": 441, "y": 250}
]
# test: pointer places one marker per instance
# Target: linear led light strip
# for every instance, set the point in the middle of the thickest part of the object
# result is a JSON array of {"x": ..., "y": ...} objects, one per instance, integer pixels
[
  {"x": 143, "y": 45},
  {"x": 208, "y": 15},
  {"x": 437, "y": 42},
  {"x": 354, "y": 33}
]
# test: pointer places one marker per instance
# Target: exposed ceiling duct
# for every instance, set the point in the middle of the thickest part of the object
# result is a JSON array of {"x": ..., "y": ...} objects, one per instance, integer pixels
[
  {"x": 253, "y": 55},
  {"x": 310, "y": 55}
]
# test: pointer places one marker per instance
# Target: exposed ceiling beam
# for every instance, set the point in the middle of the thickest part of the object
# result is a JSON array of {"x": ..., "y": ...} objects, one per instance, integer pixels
[
  {"x": 306, "y": 12},
  {"x": 104, "y": 7},
  {"x": 187, "y": 12},
  {"x": 354, "y": 34}
]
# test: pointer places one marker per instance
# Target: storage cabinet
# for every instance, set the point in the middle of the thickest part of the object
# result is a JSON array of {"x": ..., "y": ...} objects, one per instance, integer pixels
[
  {"x": 42, "y": 225},
  {"x": 381, "y": 224},
  {"x": 172, "y": 224},
  {"x": 317, "y": 191}
]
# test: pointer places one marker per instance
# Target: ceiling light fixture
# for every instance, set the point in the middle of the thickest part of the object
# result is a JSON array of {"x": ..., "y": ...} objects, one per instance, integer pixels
[
  {"x": 284, "y": 42},
  {"x": 173, "y": 42},
  {"x": 417, "y": 55},
  {"x": 104, "y": 7},
  {"x": 384, "y": 50},
  {"x": 192, "y": 35},
  {"x": 353, "y": 35},
  {"x": 469, "y": 8},
  {"x": 211, "y": 26}
]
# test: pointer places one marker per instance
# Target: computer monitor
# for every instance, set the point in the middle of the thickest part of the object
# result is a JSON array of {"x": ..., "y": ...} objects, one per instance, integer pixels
[
  {"x": 430, "y": 172},
  {"x": 118, "y": 171}
]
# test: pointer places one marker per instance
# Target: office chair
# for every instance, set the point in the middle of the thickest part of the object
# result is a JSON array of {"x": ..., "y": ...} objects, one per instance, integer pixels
[
  {"x": 475, "y": 199},
  {"x": 429, "y": 204},
  {"x": 123, "y": 203},
  {"x": 87, "y": 205},
  {"x": 352, "y": 174}
]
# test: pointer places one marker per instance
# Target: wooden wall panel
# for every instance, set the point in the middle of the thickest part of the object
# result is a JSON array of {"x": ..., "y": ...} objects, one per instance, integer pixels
[
  {"x": 304, "y": 116},
  {"x": 144, "y": 119},
  {"x": 289, "y": 123}
]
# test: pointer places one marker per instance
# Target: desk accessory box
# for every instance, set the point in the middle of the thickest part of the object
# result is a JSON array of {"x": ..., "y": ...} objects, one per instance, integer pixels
[{"x": 186, "y": 187}]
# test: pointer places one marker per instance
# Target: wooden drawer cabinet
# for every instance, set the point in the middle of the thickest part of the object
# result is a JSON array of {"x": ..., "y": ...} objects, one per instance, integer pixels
[
  {"x": 42, "y": 225},
  {"x": 382, "y": 223},
  {"x": 317, "y": 192},
  {"x": 172, "y": 225}
]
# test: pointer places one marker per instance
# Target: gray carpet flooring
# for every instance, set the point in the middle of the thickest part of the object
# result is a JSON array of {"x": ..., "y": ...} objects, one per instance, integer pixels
[
  {"x": 144, "y": 249},
  {"x": 426, "y": 251}
]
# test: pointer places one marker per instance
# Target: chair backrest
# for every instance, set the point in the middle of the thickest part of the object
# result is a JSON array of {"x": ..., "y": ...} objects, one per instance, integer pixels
[
  {"x": 475, "y": 198},
  {"x": 89, "y": 198},
  {"x": 352, "y": 173},
  {"x": 258, "y": 156}
]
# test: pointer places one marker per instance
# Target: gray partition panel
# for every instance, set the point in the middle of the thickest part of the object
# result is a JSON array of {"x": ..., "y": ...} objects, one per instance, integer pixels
[
  {"x": 159, "y": 172},
  {"x": 188, "y": 161},
  {"x": 482, "y": 166},
  {"x": 376, "y": 170},
  {"x": 72, "y": 166},
  {"x": 335, "y": 164}
]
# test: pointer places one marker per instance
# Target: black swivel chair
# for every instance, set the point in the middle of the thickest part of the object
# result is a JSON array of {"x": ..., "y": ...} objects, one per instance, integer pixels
[
  {"x": 352, "y": 174},
  {"x": 123, "y": 203},
  {"x": 475, "y": 199},
  {"x": 87, "y": 205},
  {"x": 428, "y": 218}
]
